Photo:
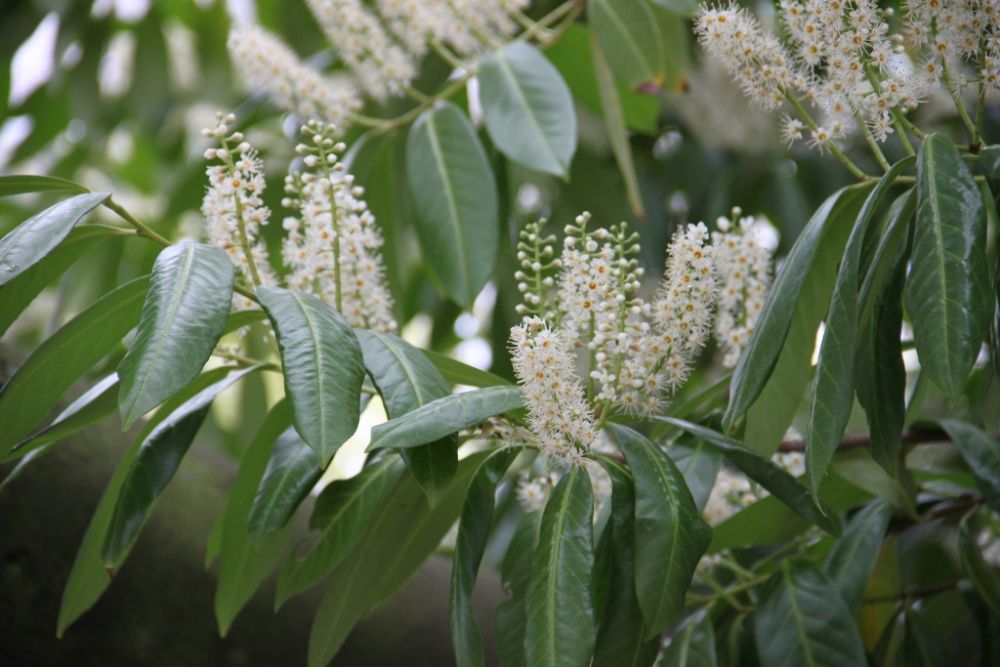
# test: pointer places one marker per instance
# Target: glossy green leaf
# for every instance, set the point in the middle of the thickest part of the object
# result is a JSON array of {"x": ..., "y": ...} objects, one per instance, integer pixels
[
  {"x": 856, "y": 467},
  {"x": 670, "y": 535},
  {"x": 852, "y": 559},
  {"x": 322, "y": 366},
  {"x": 66, "y": 355},
  {"x": 981, "y": 454},
  {"x": 948, "y": 292},
  {"x": 693, "y": 645},
  {"x": 699, "y": 462},
  {"x": 515, "y": 574},
  {"x": 528, "y": 109},
  {"x": 801, "y": 620},
  {"x": 184, "y": 314},
  {"x": 509, "y": 630},
  {"x": 559, "y": 611},
  {"x": 406, "y": 379},
  {"x": 293, "y": 469},
  {"x": 781, "y": 309},
  {"x": 768, "y": 474},
  {"x": 455, "y": 193},
  {"x": 154, "y": 466},
  {"x": 456, "y": 372},
  {"x": 18, "y": 184},
  {"x": 984, "y": 576},
  {"x": 444, "y": 416},
  {"x": 473, "y": 532},
  {"x": 630, "y": 37},
  {"x": 37, "y": 236},
  {"x": 832, "y": 395},
  {"x": 342, "y": 513}
]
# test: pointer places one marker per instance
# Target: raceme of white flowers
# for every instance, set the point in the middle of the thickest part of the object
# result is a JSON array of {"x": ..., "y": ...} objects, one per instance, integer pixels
[
  {"x": 583, "y": 308},
  {"x": 851, "y": 64},
  {"x": 332, "y": 245}
]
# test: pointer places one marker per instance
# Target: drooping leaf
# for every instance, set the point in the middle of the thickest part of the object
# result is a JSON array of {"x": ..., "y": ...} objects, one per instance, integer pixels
[
  {"x": 342, "y": 513},
  {"x": 528, "y": 109},
  {"x": 693, "y": 645},
  {"x": 157, "y": 459},
  {"x": 17, "y": 184},
  {"x": 948, "y": 290},
  {"x": 245, "y": 560},
  {"x": 37, "y": 236},
  {"x": 981, "y": 454},
  {"x": 473, "y": 532},
  {"x": 628, "y": 34},
  {"x": 322, "y": 364},
  {"x": 768, "y": 474},
  {"x": 444, "y": 416},
  {"x": 780, "y": 309},
  {"x": 699, "y": 463},
  {"x": 832, "y": 395},
  {"x": 293, "y": 468},
  {"x": 184, "y": 314},
  {"x": 984, "y": 577},
  {"x": 455, "y": 193},
  {"x": 559, "y": 611},
  {"x": 456, "y": 372},
  {"x": 852, "y": 559},
  {"x": 66, "y": 355},
  {"x": 670, "y": 535},
  {"x": 801, "y": 620}
]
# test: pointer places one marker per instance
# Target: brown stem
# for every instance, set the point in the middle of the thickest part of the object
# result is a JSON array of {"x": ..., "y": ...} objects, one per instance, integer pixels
[{"x": 908, "y": 437}]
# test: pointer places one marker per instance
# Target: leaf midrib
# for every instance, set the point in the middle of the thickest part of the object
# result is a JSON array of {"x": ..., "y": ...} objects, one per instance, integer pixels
[
  {"x": 320, "y": 373},
  {"x": 508, "y": 73},
  {"x": 456, "y": 223},
  {"x": 797, "y": 614},
  {"x": 622, "y": 29}
]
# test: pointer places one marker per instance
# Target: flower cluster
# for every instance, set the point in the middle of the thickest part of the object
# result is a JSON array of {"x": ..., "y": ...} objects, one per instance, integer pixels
[
  {"x": 332, "y": 246},
  {"x": 268, "y": 65},
  {"x": 233, "y": 209},
  {"x": 733, "y": 491},
  {"x": 743, "y": 269}
]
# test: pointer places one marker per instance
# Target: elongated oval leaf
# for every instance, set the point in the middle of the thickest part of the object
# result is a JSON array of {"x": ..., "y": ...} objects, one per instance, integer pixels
[
  {"x": 699, "y": 462},
  {"x": 19, "y": 184},
  {"x": 445, "y": 416},
  {"x": 473, "y": 532},
  {"x": 802, "y": 620},
  {"x": 322, "y": 364},
  {"x": 343, "y": 511},
  {"x": 693, "y": 645},
  {"x": 293, "y": 469},
  {"x": 559, "y": 602},
  {"x": 948, "y": 291},
  {"x": 670, "y": 535},
  {"x": 245, "y": 560},
  {"x": 528, "y": 109},
  {"x": 981, "y": 454},
  {"x": 184, "y": 314},
  {"x": 852, "y": 558},
  {"x": 37, "y": 236},
  {"x": 456, "y": 200},
  {"x": 630, "y": 38},
  {"x": 984, "y": 577},
  {"x": 65, "y": 356},
  {"x": 768, "y": 474}
]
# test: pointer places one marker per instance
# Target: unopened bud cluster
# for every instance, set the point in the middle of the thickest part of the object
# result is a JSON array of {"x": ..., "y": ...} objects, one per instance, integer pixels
[{"x": 538, "y": 264}]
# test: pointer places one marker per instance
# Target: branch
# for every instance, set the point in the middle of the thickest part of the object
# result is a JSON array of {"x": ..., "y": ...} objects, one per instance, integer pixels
[{"x": 908, "y": 437}]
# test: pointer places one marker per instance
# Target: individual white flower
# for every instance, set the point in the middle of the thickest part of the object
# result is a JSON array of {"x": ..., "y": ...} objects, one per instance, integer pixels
[
  {"x": 533, "y": 492},
  {"x": 268, "y": 65}
]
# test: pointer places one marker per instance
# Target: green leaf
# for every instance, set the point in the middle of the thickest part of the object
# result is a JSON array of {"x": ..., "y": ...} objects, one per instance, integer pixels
[
  {"x": 18, "y": 184},
  {"x": 37, "y": 236},
  {"x": 670, "y": 535},
  {"x": 559, "y": 602},
  {"x": 683, "y": 7},
  {"x": 981, "y": 454},
  {"x": 16, "y": 294},
  {"x": 245, "y": 560},
  {"x": 768, "y": 474},
  {"x": 832, "y": 395},
  {"x": 406, "y": 379},
  {"x": 456, "y": 372},
  {"x": 699, "y": 462},
  {"x": 184, "y": 314},
  {"x": 693, "y": 645},
  {"x": 852, "y": 559},
  {"x": 614, "y": 123},
  {"x": 473, "y": 532},
  {"x": 455, "y": 193},
  {"x": 802, "y": 620},
  {"x": 984, "y": 577},
  {"x": 528, "y": 109},
  {"x": 322, "y": 364},
  {"x": 628, "y": 34},
  {"x": 781, "y": 309},
  {"x": 154, "y": 466},
  {"x": 515, "y": 574},
  {"x": 293, "y": 469},
  {"x": 342, "y": 513},
  {"x": 444, "y": 416},
  {"x": 509, "y": 630},
  {"x": 399, "y": 538},
  {"x": 948, "y": 291},
  {"x": 66, "y": 355}
]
